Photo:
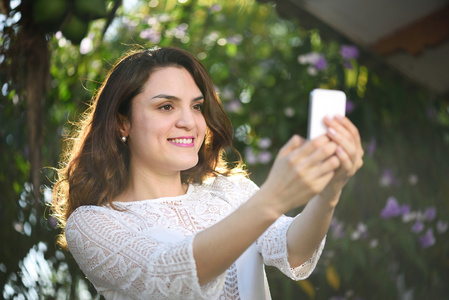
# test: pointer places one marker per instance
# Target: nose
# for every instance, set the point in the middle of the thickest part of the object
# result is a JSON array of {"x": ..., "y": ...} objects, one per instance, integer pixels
[{"x": 186, "y": 119}]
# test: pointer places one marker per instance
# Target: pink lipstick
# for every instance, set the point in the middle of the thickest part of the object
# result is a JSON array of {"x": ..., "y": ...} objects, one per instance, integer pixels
[{"x": 182, "y": 141}]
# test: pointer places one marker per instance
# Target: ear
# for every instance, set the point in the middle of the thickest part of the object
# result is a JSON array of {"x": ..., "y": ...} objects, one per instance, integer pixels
[{"x": 123, "y": 125}]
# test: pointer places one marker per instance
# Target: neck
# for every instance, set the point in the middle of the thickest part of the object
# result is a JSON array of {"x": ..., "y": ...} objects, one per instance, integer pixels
[{"x": 144, "y": 185}]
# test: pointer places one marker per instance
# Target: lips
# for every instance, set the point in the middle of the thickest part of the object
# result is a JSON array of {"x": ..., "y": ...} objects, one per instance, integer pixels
[{"x": 182, "y": 141}]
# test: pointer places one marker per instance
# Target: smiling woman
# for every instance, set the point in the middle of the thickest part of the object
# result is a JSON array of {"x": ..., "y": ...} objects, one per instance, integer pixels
[
  {"x": 151, "y": 210},
  {"x": 98, "y": 148},
  {"x": 167, "y": 120}
]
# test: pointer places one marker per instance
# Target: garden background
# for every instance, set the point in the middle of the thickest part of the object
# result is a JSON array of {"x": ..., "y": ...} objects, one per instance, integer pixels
[{"x": 389, "y": 238}]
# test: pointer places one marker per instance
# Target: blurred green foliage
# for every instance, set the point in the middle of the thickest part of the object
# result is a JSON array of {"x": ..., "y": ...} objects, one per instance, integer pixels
[{"x": 389, "y": 239}]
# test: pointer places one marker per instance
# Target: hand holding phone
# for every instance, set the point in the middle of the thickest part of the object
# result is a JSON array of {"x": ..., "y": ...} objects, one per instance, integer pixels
[{"x": 324, "y": 103}]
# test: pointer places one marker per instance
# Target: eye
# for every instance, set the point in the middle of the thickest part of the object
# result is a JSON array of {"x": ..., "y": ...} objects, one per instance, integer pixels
[
  {"x": 198, "y": 107},
  {"x": 166, "y": 107}
]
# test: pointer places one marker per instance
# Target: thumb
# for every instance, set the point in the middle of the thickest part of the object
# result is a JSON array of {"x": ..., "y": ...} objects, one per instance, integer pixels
[{"x": 293, "y": 143}]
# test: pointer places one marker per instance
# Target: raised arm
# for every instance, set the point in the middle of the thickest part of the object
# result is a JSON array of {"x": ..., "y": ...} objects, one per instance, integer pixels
[
  {"x": 301, "y": 171},
  {"x": 309, "y": 228}
]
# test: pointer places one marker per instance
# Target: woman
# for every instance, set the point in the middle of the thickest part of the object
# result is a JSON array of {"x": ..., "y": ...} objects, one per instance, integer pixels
[{"x": 151, "y": 210}]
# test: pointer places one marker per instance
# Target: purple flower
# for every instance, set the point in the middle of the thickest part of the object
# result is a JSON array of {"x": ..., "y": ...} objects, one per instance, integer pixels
[
  {"x": 321, "y": 64},
  {"x": 391, "y": 209},
  {"x": 349, "y": 52},
  {"x": 426, "y": 240},
  {"x": 430, "y": 213},
  {"x": 234, "y": 106},
  {"x": 151, "y": 35},
  {"x": 417, "y": 227},
  {"x": 182, "y": 27},
  {"x": 264, "y": 157},
  {"x": 405, "y": 209},
  {"x": 265, "y": 143},
  {"x": 337, "y": 229},
  {"x": 387, "y": 178},
  {"x": 349, "y": 106},
  {"x": 216, "y": 7},
  {"x": 250, "y": 156},
  {"x": 347, "y": 64}
]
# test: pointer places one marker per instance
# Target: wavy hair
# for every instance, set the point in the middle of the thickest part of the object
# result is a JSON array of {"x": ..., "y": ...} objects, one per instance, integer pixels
[{"x": 94, "y": 168}]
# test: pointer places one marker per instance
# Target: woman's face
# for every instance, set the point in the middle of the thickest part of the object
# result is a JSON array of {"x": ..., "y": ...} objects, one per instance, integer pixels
[{"x": 168, "y": 126}]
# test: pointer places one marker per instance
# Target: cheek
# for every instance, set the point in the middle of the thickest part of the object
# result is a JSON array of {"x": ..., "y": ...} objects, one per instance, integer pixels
[
  {"x": 139, "y": 125},
  {"x": 148, "y": 124},
  {"x": 202, "y": 126}
]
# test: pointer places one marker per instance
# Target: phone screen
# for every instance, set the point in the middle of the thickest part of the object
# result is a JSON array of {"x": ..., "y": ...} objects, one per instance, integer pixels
[{"x": 324, "y": 103}]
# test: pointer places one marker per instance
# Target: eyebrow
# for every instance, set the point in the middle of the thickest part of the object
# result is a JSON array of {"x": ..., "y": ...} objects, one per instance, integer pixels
[{"x": 170, "y": 97}]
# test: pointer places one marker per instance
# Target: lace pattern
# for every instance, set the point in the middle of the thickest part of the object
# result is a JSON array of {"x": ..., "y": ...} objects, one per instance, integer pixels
[
  {"x": 230, "y": 289},
  {"x": 273, "y": 246},
  {"x": 144, "y": 251}
]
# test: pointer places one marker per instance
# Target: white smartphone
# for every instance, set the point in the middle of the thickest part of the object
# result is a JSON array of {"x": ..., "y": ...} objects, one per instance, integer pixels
[{"x": 324, "y": 103}]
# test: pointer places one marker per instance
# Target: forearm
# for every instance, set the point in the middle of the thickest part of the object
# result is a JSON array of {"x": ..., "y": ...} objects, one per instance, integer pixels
[
  {"x": 217, "y": 247},
  {"x": 309, "y": 228},
  {"x": 300, "y": 171}
]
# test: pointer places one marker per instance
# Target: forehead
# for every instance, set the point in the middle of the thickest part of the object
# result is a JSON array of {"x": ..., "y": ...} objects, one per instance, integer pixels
[{"x": 171, "y": 79}]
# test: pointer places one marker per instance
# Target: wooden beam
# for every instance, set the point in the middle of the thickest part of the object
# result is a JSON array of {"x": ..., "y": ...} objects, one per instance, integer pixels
[{"x": 428, "y": 31}]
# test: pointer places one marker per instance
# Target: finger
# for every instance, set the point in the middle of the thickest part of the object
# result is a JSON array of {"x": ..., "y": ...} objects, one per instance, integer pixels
[
  {"x": 344, "y": 126},
  {"x": 323, "y": 173},
  {"x": 350, "y": 127},
  {"x": 347, "y": 143},
  {"x": 328, "y": 166},
  {"x": 338, "y": 127},
  {"x": 317, "y": 177},
  {"x": 354, "y": 132},
  {"x": 345, "y": 160},
  {"x": 320, "y": 155},
  {"x": 310, "y": 167},
  {"x": 295, "y": 156},
  {"x": 359, "y": 162},
  {"x": 309, "y": 147},
  {"x": 293, "y": 143},
  {"x": 323, "y": 181}
]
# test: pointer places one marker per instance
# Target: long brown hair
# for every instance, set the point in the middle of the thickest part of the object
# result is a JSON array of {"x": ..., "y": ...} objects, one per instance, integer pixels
[{"x": 95, "y": 166}]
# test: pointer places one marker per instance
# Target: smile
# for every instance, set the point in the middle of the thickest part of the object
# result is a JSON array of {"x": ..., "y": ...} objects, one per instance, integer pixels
[{"x": 183, "y": 142}]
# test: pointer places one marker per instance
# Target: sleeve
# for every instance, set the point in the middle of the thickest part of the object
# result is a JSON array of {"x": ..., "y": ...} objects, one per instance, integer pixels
[
  {"x": 272, "y": 245},
  {"x": 120, "y": 260}
]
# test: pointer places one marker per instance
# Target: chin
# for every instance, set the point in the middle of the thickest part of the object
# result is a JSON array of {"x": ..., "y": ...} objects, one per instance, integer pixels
[{"x": 188, "y": 164}]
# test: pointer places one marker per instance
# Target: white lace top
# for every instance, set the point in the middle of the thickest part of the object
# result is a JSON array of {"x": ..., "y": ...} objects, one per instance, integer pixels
[{"x": 144, "y": 251}]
